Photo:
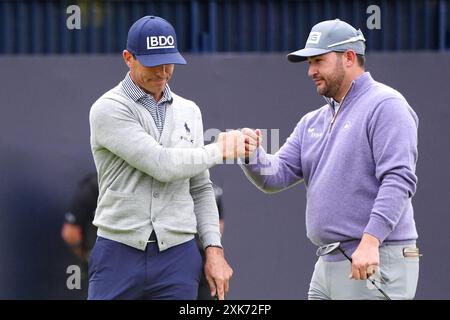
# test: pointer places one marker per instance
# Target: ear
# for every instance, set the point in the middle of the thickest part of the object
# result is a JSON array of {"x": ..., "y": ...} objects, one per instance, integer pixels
[
  {"x": 127, "y": 57},
  {"x": 349, "y": 58}
]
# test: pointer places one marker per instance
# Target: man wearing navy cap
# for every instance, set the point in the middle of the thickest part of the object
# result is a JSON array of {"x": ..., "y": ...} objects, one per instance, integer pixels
[
  {"x": 154, "y": 188},
  {"x": 357, "y": 157}
]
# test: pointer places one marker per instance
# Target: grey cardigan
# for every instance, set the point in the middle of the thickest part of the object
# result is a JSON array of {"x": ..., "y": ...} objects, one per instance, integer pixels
[{"x": 149, "y": 181}]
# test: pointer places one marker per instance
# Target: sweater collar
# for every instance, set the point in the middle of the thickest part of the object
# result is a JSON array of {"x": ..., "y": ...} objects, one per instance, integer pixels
[{"x": 355, "y": 87}]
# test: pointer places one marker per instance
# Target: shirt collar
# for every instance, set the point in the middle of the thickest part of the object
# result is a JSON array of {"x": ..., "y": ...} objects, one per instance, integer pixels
[
  {"x": 334, "y": 103},
  {"x": 331, "y": 102},
  {"x": 135, "y": 93}
]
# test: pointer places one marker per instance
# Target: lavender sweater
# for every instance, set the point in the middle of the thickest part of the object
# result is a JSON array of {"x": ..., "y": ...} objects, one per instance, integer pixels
[{"x": 359, "y": 172}]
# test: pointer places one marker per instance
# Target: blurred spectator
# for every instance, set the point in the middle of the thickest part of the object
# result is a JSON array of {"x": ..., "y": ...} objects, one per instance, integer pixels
[{"x": 78, "y": 231}]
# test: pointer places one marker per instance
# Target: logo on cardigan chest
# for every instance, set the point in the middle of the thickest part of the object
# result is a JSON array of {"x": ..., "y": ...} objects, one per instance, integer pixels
[{"x": 187, "y": 136}]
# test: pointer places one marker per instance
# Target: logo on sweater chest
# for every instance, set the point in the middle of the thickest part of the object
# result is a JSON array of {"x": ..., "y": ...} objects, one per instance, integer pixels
[{"x": 313, "y": 133}]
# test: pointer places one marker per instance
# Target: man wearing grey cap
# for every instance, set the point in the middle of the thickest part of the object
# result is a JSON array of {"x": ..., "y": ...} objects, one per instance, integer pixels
[
  {"x": 154, "y": 188},
  {"x": 357, "y": 157}
]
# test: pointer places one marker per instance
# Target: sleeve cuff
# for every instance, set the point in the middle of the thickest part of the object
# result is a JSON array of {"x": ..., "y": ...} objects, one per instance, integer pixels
[
  {"x": 378, "y": 228},
  {"x": 214, "y": 155},
  {"x": 211, "y": 239},
  {"x": 253, "y": 159}
]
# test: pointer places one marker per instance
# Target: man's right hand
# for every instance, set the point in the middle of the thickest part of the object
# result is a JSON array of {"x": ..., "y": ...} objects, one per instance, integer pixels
[{"x": 232, "y": 144}]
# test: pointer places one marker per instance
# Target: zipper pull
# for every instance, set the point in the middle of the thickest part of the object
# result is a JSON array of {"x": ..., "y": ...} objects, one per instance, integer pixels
[{"x": 331, "y": 124}]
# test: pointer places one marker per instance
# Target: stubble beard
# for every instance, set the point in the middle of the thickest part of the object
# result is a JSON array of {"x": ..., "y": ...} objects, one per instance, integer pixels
[{"x": 333, "y": 82}]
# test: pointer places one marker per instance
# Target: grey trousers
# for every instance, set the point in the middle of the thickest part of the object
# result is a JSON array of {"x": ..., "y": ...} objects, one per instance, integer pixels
[{"x": 330, "y": 279}]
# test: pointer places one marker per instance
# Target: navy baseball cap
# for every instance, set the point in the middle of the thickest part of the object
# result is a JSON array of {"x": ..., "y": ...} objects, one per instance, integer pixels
[
  {"x": 153, "y": 41},
  {"x": 330, "y": 35}
]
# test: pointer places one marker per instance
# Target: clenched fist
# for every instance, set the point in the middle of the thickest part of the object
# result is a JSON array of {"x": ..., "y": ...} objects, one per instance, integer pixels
[
  {"x": 253, "y": 139},
  {"x": 232, "y": 144}
]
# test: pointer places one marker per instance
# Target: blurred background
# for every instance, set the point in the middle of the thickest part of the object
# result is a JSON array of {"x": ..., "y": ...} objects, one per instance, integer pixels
[{"x": 53, "y": 68}]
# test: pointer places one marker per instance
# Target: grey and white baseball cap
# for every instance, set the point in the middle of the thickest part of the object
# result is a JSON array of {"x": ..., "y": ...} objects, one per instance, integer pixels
[{"x": 330, "y": 35}]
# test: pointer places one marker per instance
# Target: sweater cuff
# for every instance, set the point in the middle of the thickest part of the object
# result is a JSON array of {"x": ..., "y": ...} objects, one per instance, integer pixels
[
  {"x": 213, "y": 154},
  {"x": 378, "y": 228},
  {"x": 211, "y": 239},
  {"x": 252, "y": 159}
]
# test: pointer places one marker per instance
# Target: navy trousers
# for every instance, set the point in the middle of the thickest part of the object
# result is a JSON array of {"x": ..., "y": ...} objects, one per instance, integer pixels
[{"x": 118, "y": 271}]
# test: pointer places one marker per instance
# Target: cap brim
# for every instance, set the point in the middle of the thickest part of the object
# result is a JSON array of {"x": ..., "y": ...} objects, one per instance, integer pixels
[
  {"x": 301, "y": 55},
  {"x": 153, "y": 60}
]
